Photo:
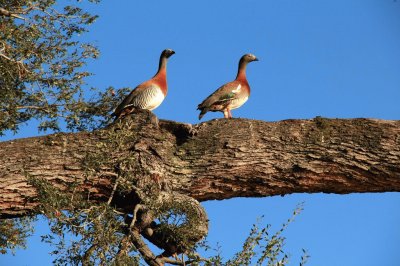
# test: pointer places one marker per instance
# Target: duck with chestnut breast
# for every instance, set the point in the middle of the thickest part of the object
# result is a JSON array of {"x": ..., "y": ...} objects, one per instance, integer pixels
[
  {"x": 149, "y": 94},
  {"x": 232, "y": 95}
]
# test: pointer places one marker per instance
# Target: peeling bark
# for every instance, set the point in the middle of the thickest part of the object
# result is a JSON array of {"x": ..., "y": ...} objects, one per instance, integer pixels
[{"x": 218, "y": 159}]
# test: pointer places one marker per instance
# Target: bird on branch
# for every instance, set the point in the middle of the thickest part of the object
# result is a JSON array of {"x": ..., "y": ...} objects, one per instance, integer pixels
[
  {"x": 149, "y": 94},
  {"x": 230, "y": 96}
]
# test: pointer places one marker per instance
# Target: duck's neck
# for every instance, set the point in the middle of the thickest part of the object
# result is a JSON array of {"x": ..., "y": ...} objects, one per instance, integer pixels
[
  {"x": 161, "y": 76},
  {"x": 241, "y": 74},
  {"x": 162, "y": 67}
]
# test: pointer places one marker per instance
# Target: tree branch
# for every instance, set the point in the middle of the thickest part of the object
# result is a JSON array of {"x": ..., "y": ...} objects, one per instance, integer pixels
[
  {"x": 6, "y": 13},
  {"x": 144, "y": 250},
  {"x": 218, "y": 159}
]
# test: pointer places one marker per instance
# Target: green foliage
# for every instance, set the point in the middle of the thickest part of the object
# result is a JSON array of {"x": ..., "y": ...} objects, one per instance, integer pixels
[
  {"x": 81, "y": 232},
  {"x": 174, "y": 222},
  {"x": 263, "y": 248},
  {"x": 41, "y": 60},
  {"x": 13, "y": 233},
  {"x": 180, "y": 221},
  {"x": 91, "y": 235},
  {"x": 88, "y": 233}
]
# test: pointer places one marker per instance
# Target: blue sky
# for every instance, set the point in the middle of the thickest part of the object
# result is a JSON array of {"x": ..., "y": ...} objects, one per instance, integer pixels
[{"x": 338, "y": 59}]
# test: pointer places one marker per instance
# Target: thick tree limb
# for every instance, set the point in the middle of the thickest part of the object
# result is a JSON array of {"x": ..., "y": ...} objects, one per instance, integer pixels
[{"x": 218, "y": 159}]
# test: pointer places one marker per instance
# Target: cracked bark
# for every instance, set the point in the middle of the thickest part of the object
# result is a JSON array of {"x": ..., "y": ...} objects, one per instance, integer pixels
[{"x": 218, "y": 159}]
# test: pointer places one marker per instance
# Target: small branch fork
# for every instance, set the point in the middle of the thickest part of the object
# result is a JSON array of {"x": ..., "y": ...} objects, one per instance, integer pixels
[
  {"x": 6, "y": 13},
  {"x": 149, "y": 256},
  {"x": 20, "y": 63},
  {"x": 134, "y": 219},
  {"x": 16, "y": 13}
]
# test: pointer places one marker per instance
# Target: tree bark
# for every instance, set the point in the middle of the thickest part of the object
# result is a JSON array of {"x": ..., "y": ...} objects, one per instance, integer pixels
[{"x": 218, "y": 159}]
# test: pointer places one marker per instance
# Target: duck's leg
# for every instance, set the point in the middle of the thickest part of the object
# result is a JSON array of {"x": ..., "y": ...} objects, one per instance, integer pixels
[
  {"x": 229, "y": 113},
  {"x": 226, "y": 113}
]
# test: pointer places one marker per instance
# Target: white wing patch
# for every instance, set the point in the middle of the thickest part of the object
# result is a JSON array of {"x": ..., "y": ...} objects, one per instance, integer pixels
[{"x": 237, "y": 90}]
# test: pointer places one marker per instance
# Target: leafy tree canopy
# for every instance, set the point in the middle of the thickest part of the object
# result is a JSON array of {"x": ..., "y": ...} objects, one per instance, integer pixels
[{"x": 41, "y": 67}]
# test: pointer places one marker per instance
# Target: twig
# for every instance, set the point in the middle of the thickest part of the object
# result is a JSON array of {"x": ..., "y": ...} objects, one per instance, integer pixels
[
  {"x": 7, "y": 13},
  {"x": 126, "y": 242},
  {"x": 125, "y": 245},
  {"x": 106, "y": 173},
  {"x": 56, "y": 16},
  {"x": 135, "y": 210},
  {"x": 6, "y": 57},
  {"x": 88, "y": 253},
  {"x": 41, "y": 108},
  {"x": 113, "y": 191},
  {"x": 20, "y": 63},
  {"x": 181, "y": 262},
  {"x": 3, "y": 48},
  {"x": 117, "y": 212},
  {"x": 144, "y": 250}
]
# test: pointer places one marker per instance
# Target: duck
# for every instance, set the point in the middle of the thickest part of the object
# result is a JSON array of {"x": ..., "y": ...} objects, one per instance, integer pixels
[
  {"x": 149, "y": 94},
  {"x": 231, "y": 95}
]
